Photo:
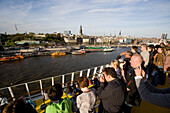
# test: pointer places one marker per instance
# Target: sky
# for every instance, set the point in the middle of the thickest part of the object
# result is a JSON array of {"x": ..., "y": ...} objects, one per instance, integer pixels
[{"x": 139, "y": 18}]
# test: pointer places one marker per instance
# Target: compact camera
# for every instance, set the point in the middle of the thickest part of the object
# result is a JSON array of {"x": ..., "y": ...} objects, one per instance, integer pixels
[
  {"x": 121, "y": 60},
  {"x": 100, "y": 75}
]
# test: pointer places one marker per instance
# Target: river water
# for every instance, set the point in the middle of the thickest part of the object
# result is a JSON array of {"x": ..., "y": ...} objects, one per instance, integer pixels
[{"x": 35, "y": 68}]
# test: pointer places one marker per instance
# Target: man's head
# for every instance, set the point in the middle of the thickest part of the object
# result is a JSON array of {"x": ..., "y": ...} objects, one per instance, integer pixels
[
  {"x": 160, "y": 49},
  {"x": 109, "y": 74},
  {"x": 150, "y": 48},
  {"x": 83, "y": 82},
  {"x": 128, "y": 54},
  {"x": 143, "y": 47},
  {"x": 136, "y": 60},
  {"x": 134, "y": 49},
  {"x": 55, "y": 92}
]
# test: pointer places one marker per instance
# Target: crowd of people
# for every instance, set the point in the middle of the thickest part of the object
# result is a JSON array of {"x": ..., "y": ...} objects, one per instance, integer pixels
[{"x": 119, "y": 87}]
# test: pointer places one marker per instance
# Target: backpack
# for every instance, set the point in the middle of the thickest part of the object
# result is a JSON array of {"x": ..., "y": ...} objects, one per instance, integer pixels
[{"x": 63, "y": 106}]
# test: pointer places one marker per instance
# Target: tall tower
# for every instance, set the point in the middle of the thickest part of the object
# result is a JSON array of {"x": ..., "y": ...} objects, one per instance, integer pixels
[
  {"x": 120, "y": 33},
  {"x": 164, "y": 36},
  {"x": 81, "y": 31}
]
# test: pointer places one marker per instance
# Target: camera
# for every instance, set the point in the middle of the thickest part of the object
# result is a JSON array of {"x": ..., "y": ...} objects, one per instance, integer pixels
[
  {"x": 121, "y": 60},
  {"x": 100, "y": 75}
]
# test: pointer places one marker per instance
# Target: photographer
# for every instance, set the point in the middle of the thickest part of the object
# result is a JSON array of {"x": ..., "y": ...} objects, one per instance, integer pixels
[
  {"x": 127, "y": 69},
  {"x": 113, "y": 94}
]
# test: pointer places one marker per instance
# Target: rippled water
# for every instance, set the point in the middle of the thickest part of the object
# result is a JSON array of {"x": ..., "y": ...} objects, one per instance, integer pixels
[{"x": 35, "y": 68}]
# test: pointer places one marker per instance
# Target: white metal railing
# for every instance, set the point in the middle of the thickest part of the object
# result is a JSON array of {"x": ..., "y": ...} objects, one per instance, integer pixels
[{"x": 52, "y": 80}]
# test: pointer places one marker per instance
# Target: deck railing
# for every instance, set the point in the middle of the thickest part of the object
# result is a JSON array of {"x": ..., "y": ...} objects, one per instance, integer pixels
[{"x": 34, "y": 89}]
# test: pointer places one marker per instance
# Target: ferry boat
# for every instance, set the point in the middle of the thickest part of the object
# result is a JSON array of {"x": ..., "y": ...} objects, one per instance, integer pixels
[
  {"x": 11, "y": 58},
  {"x": 33, "y": 90}
]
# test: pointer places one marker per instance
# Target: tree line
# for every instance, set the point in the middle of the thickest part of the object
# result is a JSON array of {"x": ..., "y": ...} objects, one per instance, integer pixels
[{"x": 9, "y": 39}]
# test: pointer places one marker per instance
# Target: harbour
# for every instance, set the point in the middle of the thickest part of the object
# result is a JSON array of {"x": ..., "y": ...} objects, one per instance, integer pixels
[{"x": 35, "y": 68}]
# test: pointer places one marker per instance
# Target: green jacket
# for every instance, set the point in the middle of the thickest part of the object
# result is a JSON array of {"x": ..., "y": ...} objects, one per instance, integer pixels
[{"x": 63, "y": 106}]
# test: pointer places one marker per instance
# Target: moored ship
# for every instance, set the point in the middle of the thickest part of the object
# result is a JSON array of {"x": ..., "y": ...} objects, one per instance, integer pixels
[
  {"x": 11, "y": 58},
  {"x": 96, "y": 48}
]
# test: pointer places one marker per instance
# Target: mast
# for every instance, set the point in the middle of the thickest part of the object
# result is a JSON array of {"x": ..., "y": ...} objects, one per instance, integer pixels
[{"x": 16, "y": 28}]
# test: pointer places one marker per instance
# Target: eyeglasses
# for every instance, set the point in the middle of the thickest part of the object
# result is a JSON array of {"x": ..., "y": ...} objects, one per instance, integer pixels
[{"x": 137, "y": 67}]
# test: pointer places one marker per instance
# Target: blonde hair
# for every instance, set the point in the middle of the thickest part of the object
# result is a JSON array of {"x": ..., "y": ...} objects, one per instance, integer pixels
[{"x": 115, "y": 62}]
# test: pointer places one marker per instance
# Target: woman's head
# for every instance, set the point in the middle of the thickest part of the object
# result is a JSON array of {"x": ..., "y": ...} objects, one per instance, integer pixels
[
  {"x": 83, "y": 82},
  {"x": 115, "y": 64}
]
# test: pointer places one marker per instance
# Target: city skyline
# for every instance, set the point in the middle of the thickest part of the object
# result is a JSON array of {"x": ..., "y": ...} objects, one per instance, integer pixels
[{"x": 139, "y": 18}]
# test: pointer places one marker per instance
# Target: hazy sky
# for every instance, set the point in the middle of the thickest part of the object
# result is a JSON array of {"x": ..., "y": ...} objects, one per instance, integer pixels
[{"x": 139, "y": 18}]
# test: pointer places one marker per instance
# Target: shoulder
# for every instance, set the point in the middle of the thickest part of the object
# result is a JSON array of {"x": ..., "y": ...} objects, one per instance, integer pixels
[{"x": 51, "y": 108}]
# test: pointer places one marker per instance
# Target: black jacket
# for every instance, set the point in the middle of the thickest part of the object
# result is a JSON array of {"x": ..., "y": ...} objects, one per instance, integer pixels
[
  {"x": 133, "y": 96},
  {"x": 112, "y": 96}
]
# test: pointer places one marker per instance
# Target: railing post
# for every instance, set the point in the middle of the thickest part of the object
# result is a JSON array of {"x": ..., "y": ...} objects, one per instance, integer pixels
[
  {"x": 101, "y": 69},
  {"x": 72, "y": 78},
  {"x": 81, "y": 73},
  {"x": 11, "y": 92},
  {"x": 88, "y": 73},
  {"x": 41, "y": 87},
  {"x": 95, "y": 69},
  {"x": 27, "y": 88},
  {"x": 63, "y": 81},
  {"x": 52, "y": 79}
]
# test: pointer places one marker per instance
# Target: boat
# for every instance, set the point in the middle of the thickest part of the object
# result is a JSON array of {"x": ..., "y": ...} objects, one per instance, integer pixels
[
  {"x": 96, "y": 48},
  {"x": 79, "y": 52},
  {"x": 109, "y": 49},
  {"x": 11, "y": 58},
  {"x": 58, "y": 54}
]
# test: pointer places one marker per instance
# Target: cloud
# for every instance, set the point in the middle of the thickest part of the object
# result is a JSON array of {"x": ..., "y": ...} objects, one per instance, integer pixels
[
  {"x": 118, "y": 1},
  {"x": 96, "y": 16},
  {"x": 105, "y": 10}
]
